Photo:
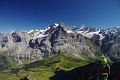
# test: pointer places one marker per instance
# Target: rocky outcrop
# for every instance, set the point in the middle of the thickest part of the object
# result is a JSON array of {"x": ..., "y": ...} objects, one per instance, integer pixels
[{"x": 87, "y": 72}]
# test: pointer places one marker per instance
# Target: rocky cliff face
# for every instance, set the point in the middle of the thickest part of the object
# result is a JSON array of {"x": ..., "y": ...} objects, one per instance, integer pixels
[
  {"x": 109, "y": 45},
  {"x": 62, "y": 38},
  {"x": 15, "y": 43},
  {"x": 107, "y": 39}
]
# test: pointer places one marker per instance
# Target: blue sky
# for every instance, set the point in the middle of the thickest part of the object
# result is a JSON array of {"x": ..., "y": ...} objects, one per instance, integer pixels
[{"x": 37, "y": 14}]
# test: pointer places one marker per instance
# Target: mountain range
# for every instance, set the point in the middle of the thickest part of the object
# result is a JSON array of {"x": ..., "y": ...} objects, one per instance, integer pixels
[{"x": 81, "y": 41}]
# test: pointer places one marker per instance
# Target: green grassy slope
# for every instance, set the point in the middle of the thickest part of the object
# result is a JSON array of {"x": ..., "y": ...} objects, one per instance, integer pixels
[{"x": 44, "y": 69}]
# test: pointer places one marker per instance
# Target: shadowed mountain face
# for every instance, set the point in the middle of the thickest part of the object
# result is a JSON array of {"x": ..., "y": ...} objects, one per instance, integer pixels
[
  {"x": 80, "y": 73},
  {"x": 88, "y": 72}
]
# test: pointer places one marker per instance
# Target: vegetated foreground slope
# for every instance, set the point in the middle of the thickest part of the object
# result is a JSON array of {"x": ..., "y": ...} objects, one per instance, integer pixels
[
  {"x": 59, "y": 67},
  {"x": 44, "y": 69}
]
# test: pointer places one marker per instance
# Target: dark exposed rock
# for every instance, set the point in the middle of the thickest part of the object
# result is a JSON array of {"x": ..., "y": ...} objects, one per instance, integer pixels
[
  {"x": 96, "y": 40},
  {"x": 87, "y": 72},
  {"x": 115, "y": 70},
  {"x": 80, "y": 73},
  {"x": 16, "y": 37}
]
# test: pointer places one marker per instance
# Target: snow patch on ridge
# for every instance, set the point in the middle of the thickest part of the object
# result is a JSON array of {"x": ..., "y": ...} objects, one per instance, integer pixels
[
  {"x": 12, "y": 32},
  {"x": 90, "y": 34},
  {"x": 101, "y": 36},
  {"x": 68, "y": 31},
  {"x": 41, "y": 33},
  {"x": 30, "y": 31}
]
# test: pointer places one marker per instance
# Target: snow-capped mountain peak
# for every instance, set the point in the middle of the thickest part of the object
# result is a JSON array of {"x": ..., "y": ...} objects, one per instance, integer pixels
[
  {"x": 83, "y": 30},
  {"x": 56, "y": 24},
  {"x": 41, "y": 33}
]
